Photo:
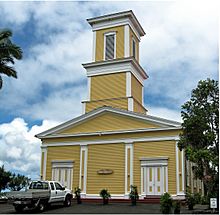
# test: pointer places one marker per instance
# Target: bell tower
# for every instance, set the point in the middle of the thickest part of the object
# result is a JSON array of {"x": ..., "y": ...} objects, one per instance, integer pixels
[{"x": 115, "y": 77}]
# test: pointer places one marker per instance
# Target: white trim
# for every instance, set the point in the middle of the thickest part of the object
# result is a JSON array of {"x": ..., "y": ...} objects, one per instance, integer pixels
[
  {"x": 113, "y": 132},
  {"x": 85, "y": 149},
  {"x": 142, "y": 95},
  {"x": 122, "y": 140},
  {"x": 142, "y": 181},
  {"x": 116, "y": 66},
  {"x": 107, "y": 34},
  {"x": 126, "y": 169},
  {"x": 131, "y": 163},
  {"x": 83, "y": 108},
  {"x": 113, "y": 196},
  {"x": 94, "y": 46},
  {"x": 177, "y": 170},
  {"x": 88, "y": 88},
  {"x": 116, "y": 23},
  {"x": 166, "y": 170},
  {"x": 126, "y": 41},
  {"x": 45, "y": 162},
  {"x": 183, "y": 172},
  {"x": 108, "y": 19},
  {"x": 62, "y": 163},
  {"x": 130, "y": 104},
  {"x": 128, "y": 84},
  {"x": 94, "y": 113}
]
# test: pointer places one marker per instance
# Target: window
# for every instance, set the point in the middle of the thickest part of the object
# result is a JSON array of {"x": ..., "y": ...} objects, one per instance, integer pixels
[
  {"x": 58, "y": 186},
  {"x": 39, "y": 185},
  {"x": 109, "y": 46},
  {"x": 133, "y": 48},
  {"x": 52, "y": 186}
]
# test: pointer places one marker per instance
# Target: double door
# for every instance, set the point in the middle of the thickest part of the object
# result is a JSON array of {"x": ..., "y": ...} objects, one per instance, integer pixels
[
  {"x": 63, "y": 175},
  {"x": 154, "y": 181}
]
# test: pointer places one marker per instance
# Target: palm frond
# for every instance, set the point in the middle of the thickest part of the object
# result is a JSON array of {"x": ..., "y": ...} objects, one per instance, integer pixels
[
  {"x": 1, "y": 82},
  {"x": 5, "y": 33},
  {"x": 8, "y": 70}
]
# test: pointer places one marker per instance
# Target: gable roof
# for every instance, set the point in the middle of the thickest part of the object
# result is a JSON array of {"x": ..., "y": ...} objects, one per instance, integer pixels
[{"x": 163, "y": 123}]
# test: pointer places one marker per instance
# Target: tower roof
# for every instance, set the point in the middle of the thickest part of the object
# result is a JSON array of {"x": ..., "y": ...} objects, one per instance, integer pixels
[{"x": 124, "y": 17}]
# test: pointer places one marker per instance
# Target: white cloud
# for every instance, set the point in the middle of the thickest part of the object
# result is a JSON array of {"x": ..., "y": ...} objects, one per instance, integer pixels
[
  {"x": 20, "y": 150},
  {"x": 165, "y": 113}
]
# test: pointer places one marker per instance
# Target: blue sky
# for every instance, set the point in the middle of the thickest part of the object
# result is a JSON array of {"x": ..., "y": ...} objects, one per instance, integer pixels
[{"x": 179, "y": 49}]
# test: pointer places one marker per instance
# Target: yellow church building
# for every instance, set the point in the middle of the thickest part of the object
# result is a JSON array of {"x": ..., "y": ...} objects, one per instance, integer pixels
[{"x": 115, "y": 143}]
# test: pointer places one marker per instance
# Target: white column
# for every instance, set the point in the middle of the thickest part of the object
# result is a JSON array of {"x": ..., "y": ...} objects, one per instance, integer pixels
[
  {"x": 166, "y": 179},
  {"x": 183, "y": 172},
  {"x": 126, "y": 41},
  {"x": 128, "y": 84},
  {"x": 88, "y": 88},
  {"x": 177, "y": 170},
  {"x": 85, "y": 149},
  {"x": 128, "y": 146},
  {"x": 44, "y": 150},
  {"x": 130, "y": 104},
  {"x": 94, "y": 46}
]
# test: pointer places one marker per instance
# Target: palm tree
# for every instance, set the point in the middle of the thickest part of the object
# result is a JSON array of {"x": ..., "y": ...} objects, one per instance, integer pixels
[{"x": 8, "y": 52}]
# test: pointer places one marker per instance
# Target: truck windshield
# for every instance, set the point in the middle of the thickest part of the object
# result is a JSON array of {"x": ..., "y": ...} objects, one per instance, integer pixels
[{"x": 39, "y": 185}]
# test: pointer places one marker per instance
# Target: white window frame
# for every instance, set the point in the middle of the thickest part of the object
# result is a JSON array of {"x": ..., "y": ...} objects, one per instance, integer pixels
[{"x": 107, "y": 34}]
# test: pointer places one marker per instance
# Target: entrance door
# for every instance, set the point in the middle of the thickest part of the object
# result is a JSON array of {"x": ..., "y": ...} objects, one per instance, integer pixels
[
  {"x": 63, "y": 175},
  {"x": 154, "y": 181}
]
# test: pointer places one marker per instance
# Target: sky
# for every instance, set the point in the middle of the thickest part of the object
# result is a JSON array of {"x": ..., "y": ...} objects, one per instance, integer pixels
[{"x": 179, "y": 49}]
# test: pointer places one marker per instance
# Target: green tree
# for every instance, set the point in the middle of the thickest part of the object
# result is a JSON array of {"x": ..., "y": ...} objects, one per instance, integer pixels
[
  {"x": 8, "y": 53},
  {"x": 17, "y": 182},
  {"x": 200, "y": 136},
  {"x": 4, "y": 178}
]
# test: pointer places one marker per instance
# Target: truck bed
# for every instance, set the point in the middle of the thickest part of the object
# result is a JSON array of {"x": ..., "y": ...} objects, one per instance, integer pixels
[{"x": 29, "y": 194}]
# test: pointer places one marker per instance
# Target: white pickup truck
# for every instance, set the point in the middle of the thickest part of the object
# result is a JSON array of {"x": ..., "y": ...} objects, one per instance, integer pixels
[{"x": 39, "y": 195}]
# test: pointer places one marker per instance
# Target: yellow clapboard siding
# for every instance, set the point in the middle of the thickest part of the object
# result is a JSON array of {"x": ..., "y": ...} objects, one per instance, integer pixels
[
  {"x": 113, "y": 136},
  {"x": 109, "y": 122},
  {"x": 133, "y": 36},
  {"x": 154, "y": 149},
  {"x": 107, "y": 156},
  {"x": 136, "y": 89},
  {"x": 121, "y": 103},
  {"x": 138, "y": 107},
  {"x": 108, "y": 86},
  {"x": 64, "y": 153},
  {"x": 100, "y": 42}
]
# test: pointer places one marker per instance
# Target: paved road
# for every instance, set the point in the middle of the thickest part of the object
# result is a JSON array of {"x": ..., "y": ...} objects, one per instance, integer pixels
[{"x": 92, "y": 208}]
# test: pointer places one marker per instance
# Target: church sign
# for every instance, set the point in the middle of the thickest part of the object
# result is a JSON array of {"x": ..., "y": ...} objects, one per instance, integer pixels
[{"x": 105, "y": 172}]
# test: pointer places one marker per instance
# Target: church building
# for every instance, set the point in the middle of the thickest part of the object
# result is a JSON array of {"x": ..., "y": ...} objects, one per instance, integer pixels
[{"x": 115, "y": 143}]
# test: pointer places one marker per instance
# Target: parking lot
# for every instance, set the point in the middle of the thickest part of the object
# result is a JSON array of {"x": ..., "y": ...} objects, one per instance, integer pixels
[{"x": 91, "y": 208}]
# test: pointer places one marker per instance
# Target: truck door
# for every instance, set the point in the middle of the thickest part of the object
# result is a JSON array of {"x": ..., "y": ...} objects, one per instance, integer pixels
[
  {"x": 60, "y": 193},
  {"x": 53, "y": 192}
]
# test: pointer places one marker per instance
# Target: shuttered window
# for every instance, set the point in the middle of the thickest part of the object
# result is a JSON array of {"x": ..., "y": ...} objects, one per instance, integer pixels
[{"x": 109, "y": 46}]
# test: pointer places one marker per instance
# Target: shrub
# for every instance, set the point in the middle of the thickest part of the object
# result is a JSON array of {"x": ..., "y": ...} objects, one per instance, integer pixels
[
  {"x": 190, "y": 201},
  {"x": 105, "y": 195},
  {"x": 166, "y": 203},
  {"x": 197, "y": 197},
  {"x": 204, "y": 200},
  {"x": 177, "y": 206},
  {"x": 133, "y": 195}
]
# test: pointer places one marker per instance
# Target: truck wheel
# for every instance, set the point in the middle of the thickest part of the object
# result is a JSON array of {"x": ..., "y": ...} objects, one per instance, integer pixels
[
  {"x": 41, "y": 207},
  {"x": 67, "y": 201},
  {"x": 19, "y": 208}
]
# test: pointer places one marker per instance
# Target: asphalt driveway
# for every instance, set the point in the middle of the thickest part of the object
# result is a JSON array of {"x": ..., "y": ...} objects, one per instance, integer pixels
[{"x": 91, "y": 208}]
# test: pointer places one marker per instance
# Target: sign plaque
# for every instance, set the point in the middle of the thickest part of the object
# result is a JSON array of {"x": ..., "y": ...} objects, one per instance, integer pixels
[{"x": 213, "y": 202}]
